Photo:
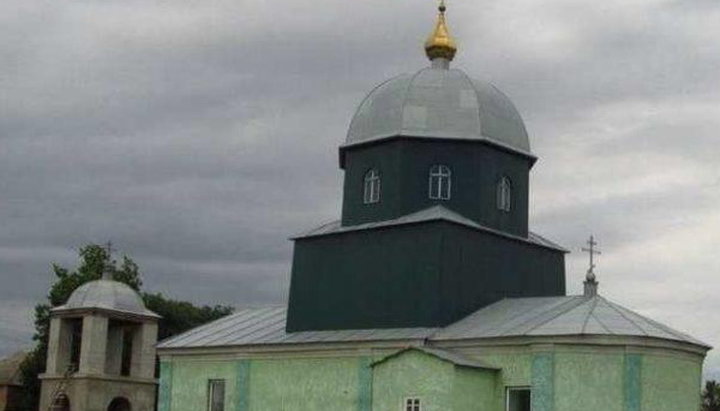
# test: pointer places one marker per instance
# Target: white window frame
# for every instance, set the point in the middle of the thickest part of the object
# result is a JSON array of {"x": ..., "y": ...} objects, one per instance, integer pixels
[
  {"x": 504, "y": 194},
  {"x": 414, "y": 399},
  {"x": 439, "y": 177},
  {"x": 518, "y": 388},
  {"x": 371, "y": 186},
  {"x": 211, "y": 391}
]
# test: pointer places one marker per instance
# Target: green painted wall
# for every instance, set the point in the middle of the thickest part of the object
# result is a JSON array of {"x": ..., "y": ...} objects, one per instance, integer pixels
[
  {"x": 404, "y": 165},
  {"x": 413, "y": 374},
  {"x": 165, "y": 386},
  {"x": 305, "y": 384},
  {"x": 585, "y": 381},
  {"x": 515, "y": 371},
  {"x": 632, "y": 382},
  {"x": 564, "y": 378},
  {"x": 190, "y": 383},
  {"x": 474, "y": 389},
  {"x": 670, "y": 383},
  {"x": 543, "y": 380}
]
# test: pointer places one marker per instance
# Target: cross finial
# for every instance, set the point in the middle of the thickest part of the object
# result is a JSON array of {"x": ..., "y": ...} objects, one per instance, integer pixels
[
  {"x": 592, "y": 251},
  {"x": 590, "y": 280},
  {"x": 107, "y": 272},
  {"x": 109, "y": 248}
]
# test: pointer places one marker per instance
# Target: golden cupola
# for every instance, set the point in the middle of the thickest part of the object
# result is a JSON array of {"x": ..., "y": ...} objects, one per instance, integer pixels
[{"x": 440, "y": 44}]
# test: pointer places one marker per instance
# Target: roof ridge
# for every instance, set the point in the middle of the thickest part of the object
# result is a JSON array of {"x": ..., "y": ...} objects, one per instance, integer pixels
[
  {"x": 405, "y": 94},
  {"x": 571, "y": 300},
  {"x": 367, "y": 96},
  {"x": 625, "y": 316},
  {"x": 590, "y": 314},
  {"x": 676, "y": 333},
  {"x": 602, "y": 324}
]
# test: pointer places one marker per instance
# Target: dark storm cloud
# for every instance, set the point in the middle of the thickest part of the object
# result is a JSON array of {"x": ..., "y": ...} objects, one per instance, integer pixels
[{"x": 198, "y": 136}]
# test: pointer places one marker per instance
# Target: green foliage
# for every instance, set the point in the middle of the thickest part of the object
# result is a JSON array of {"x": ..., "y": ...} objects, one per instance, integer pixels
[
  {"x": 177, "y": 316},
  {"x": 711, "y": 396}
]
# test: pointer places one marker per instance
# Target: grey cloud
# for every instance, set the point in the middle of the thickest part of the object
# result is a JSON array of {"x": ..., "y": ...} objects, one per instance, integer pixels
[{"x": 198, "y": 136}]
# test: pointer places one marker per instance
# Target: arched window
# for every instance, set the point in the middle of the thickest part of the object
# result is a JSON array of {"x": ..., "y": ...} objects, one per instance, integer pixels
[
  {"x": 119, "y": 404},
  {"x": 440, "y": 182},
  {"x": 371, "y": 190},
  {"x": 504, "y": 194},
  {"x": 60, "y": 403}
]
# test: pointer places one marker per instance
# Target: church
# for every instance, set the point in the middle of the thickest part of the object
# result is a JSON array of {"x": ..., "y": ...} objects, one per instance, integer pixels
[{"x": 430, "y": 293}]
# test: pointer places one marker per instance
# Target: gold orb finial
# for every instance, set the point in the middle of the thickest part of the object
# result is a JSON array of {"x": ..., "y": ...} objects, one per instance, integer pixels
[{"x": 441, "y": 44}]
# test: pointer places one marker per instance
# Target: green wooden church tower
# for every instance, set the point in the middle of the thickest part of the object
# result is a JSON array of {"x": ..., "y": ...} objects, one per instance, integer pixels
[{"x": 435, "y": 209}]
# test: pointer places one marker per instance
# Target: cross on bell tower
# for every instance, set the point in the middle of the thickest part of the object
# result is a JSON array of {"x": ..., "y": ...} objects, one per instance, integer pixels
[{"x": 591, "y": 283}]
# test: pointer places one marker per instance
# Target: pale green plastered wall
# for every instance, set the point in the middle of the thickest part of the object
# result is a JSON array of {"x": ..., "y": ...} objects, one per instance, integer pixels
[
  {"x": 543, "y": 381},
  {"x": 305, "y": 384},
  {"x": 564, "y": 378},
  {"x": 474, "y": 389},
  {"x": 515, "y": 371},
  {"x": 165, "y": 386},
  {"x": 190, "y": 383},
  {"x": 413, "y": 373},
  {"x": 588, "y": 381},
  {"x": 670, "y": 383},
  {"x": 441, "y": 385},
  {"x": 572, "y": 377}
]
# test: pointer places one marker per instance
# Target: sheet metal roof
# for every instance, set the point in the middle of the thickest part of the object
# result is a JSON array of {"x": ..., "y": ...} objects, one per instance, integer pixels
[
  {"x": 558, "y": 316},
  {"x": 266, "y": 325},
  {"x": 435, "y": 213},
  {"x": 439, "y": 103},
  {"x": 513, "y": 317}
]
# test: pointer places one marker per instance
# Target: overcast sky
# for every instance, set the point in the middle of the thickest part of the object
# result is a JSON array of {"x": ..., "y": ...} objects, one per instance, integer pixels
[{"x": 199, "y": 135}]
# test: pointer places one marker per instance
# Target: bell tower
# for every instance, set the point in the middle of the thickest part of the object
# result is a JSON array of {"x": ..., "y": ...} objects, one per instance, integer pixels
[{"x": 101, "y": 351}]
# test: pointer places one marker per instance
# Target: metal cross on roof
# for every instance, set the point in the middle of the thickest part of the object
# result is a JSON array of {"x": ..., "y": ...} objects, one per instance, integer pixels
[
  {"x": 592, "y": 250},
  {"x": 107, "y": 272},
  {"x": 109, "y": 248}
]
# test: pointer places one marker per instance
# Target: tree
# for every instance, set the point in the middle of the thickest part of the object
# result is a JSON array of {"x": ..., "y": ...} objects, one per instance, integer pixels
[
  {"x": 711, "y": 396},
  {"x": 177, "y": 316}
]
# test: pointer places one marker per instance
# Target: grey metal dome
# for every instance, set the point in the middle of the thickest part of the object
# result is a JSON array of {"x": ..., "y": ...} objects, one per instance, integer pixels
[
  {"x": 439, "y": 103},
  {"x": 108, "y": 295}
]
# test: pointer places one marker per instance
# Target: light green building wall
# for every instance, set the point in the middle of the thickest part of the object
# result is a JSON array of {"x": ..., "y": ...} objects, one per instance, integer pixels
[
  {"x": 305, "y": 384},
  {"x": 563, "y": 378},
  {"x": 588, "y": 381},
  {"x": 189, "y": 386},
  {"x": 474, "y": 389},
  {"x": 413, "y": 374},
  {"x": 670, "y": 383},
  {"x": 515, "y": 371}
]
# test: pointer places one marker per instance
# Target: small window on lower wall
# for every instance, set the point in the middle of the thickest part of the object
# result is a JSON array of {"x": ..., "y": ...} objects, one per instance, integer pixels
[
  {"x": 216, "y": 395},
  {"x": 518, "y": 399},
  {"x": 412, "y": 404}
]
